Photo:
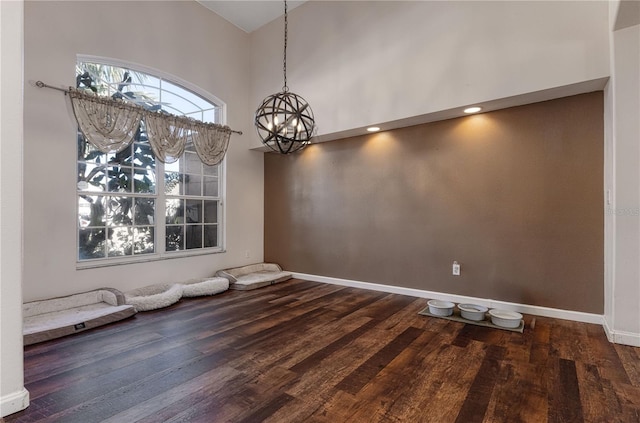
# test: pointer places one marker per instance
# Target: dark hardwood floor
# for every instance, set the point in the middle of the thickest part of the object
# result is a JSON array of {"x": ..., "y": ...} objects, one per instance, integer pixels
[{"x": 309, "y": 352}]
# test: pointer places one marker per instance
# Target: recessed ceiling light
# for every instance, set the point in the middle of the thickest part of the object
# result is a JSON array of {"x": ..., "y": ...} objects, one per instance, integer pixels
[
  {"x": 373, "y": 129},
  {"x": 475, "y": 109}
]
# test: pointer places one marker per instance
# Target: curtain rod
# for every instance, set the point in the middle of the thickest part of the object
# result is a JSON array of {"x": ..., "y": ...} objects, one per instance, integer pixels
[{"x": 41, "y": 84}]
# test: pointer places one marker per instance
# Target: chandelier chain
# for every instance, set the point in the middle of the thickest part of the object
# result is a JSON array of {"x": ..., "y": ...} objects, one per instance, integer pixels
[
  {"x": 284, "y": 121},
  {"x": 285, "y": 88}
]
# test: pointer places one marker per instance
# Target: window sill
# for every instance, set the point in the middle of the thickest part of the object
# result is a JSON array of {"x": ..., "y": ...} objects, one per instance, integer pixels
[{"x": 92, "y": 264}]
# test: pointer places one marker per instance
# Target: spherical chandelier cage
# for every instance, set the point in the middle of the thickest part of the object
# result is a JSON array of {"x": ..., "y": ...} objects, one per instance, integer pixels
[{"x": 284, "y": 122}]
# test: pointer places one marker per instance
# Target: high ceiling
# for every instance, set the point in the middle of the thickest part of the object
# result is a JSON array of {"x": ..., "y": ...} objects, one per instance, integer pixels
[{"x": 249, "y": 15}]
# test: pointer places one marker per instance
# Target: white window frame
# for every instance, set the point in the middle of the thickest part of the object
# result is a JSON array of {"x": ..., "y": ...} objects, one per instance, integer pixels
[{"x": 160, "y": 196}]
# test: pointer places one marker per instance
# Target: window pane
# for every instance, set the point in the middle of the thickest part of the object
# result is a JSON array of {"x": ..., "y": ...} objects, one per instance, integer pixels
[
  {"x": 144, "y": 211},
  {"x": 193, "y": 164},
  {"x": 119, "y": 179},
  {"x": 143, "y": 82},
  {"x": 210, "y": 115},
  {"x": 120, "y": 242},
  {"x": 176, "y": 98},
  {"x": 91, "y": 177},
  {"x": 210, "y": 212},
  {"x": 174, "y": 211},
  {"x": 174, "y": 238},
  {"x": 194, "y": 236},
  {"x": 91, "y": 243},
  {"x": 88, "y": 153},
  {"x": 144, "y": 181},
  {"x": 172, "y": 183},
  {"x": 210, "y": 187},
  {"x": 173, "y": 167},
  {"x": 121, "y": 158},
  {"x": 195, "y": 115},
  {"x": 101, "y": 74},
  {"x": 143, "y": 156},
  {"x": 119, "y": 211},
  {"x": 90, "y": 211},
  {"x": 193, "y": 184},
  {"x": 145, "y": 93},
  {"x": 210, "y": 236},
  {"x": 210, "y": 170},
  {"x": 187, "y": 96},
  {"x": 144, "y": 90},
  {"x": 193, "y": 211},
  {"x": 143, "y": 240}
]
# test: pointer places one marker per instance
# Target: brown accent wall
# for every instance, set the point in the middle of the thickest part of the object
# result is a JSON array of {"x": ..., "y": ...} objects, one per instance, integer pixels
[{"x": 515, "y": 196}]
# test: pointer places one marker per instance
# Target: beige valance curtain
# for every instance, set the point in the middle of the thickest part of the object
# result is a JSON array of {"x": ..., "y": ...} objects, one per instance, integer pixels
[
  {"x": 108, "y": 124},
  {"x": 111, "y": 124},
  {"x": 168, "y": 135}
]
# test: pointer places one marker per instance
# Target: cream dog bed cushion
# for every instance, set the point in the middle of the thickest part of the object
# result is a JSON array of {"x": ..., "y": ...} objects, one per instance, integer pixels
[
  {"x": 57, "y": 317},
  {"x": 207, "y": 286},
  {"x": 254, "y": 276},
  {"x": 157, "y": 296},
  {"x": 153, "y": 297}
]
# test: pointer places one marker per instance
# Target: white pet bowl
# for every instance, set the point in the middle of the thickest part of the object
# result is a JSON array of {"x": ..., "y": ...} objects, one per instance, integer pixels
[
  {"x": 472, "y": 311},
  {"x": 440, "y": 308},
  {"x": 505, "y": 319}
]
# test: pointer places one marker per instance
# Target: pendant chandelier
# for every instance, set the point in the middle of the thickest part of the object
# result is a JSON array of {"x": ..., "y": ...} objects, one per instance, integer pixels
[{"x": 284, "y": 121}]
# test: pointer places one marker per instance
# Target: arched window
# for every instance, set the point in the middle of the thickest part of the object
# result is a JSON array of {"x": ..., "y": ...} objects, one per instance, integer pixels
[{"x": 131, "y": 206}]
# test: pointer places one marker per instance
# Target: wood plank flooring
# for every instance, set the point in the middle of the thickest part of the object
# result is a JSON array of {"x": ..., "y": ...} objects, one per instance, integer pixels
[{"x": 308, "y": 352}]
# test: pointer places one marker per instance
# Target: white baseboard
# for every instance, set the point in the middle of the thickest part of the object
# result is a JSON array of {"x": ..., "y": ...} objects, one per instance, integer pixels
[
  {"x": 621, "y": 337},
  {"x": 607, "y": 329},
  {"x": 577, "y": 316},
  {"x": 626, "y": 338},
  {"x": 14, "y": 402}
]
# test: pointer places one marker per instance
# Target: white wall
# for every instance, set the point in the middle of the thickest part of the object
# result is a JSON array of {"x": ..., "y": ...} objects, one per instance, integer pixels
[
  {"x": 13, "y": 396},
  {"x": 365, "y": 62},
  {"x": 180, "y": 38},
  {"x": 622, "y": 178}
]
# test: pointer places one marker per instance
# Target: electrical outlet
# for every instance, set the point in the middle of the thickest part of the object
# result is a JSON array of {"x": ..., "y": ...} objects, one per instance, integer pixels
[
  {"x": 247, "y": 254},
  {"x": 455, "y": 269}
]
